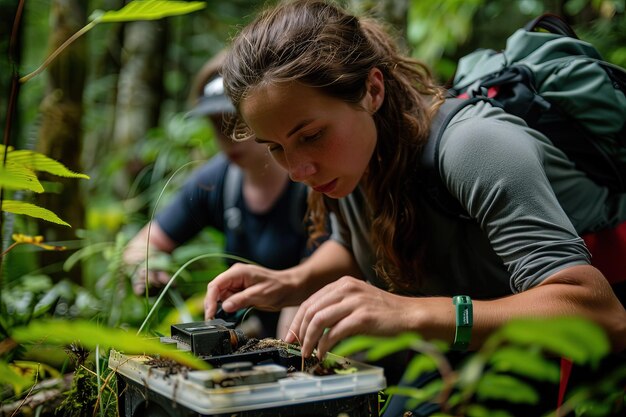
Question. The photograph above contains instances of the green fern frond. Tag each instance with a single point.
(19, 207)
(40, 162)
(19, 177)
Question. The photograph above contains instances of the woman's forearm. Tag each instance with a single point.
(575, 291)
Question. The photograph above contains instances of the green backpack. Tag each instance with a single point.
(561, 86)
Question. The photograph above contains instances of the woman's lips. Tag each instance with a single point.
(326, 188)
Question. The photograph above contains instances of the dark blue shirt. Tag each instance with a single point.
(275, 239)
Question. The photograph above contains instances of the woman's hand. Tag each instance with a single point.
(244, 285)
(155, 279)
(345, 308)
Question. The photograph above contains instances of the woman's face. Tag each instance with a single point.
(321, 141)
(246, 154)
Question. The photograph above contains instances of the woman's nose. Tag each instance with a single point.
(299, 171)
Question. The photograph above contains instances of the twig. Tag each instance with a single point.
(28, 394)
(60, 49)
(300, 343)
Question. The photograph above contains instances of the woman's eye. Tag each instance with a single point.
(312, 138)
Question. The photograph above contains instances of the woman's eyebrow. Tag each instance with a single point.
(292, 132)
(299, 126)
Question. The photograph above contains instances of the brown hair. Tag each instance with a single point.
(322, 46)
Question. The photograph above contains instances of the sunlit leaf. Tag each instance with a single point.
(90, 335)
(476, 410)
(506, 388)
(149, 10)
(83, 253)
(355, 344)
(419, 365)
(10, 375)
(43, 369)
(430, 390)
(471, 371)
(28, 209)
(40, 162)
(410, 392)
(19, 177)
(388, 346)
(575, 338)
(378, 347)
(525, 362)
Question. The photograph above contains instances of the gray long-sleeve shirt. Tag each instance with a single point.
(527, 202)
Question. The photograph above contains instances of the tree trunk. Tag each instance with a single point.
(11, 47)
(60, 133)
(139, 92)
(104, 68)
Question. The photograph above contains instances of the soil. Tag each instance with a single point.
(311, 365)
(170, 366)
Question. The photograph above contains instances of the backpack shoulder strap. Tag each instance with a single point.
(230, 192)
(436, 191)
(552, 23)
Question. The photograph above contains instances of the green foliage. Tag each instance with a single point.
(135, 10)
(435, 29)
(505, 369)
(11, 375)
(90, 335)
(148, 10)
(18, 173)
(438, 33)
(527, 362)
(81, 399)
(581, 341)
(32, 210)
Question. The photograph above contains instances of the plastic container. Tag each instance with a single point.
(151, 392)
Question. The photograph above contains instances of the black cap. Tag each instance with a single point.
(213, 100)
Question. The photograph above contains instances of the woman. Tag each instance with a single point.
(342, 111)
(241, 191)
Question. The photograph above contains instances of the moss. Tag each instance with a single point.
(81, 399)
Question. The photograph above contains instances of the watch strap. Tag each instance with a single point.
(464, 321)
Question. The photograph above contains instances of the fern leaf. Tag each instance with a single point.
(19, 177)
(148, 10)
(19, 207)
(40, 162)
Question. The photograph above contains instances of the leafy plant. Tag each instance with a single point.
(18, 173)
(507, 370)
(27, 332)
(135, 10)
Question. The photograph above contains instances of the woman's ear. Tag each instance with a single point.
(375, 89)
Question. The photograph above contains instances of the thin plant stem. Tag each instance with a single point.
(99, 399)
(182, 268)
(28, 394)
(152, 218)
(60, 49)
(14, 244)
(300, 343)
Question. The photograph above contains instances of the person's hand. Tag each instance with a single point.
(156, 281)
(345, 308)
(245, 285)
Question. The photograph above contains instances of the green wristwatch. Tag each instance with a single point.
(464, 321)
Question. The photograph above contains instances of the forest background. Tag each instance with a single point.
(112, 106)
